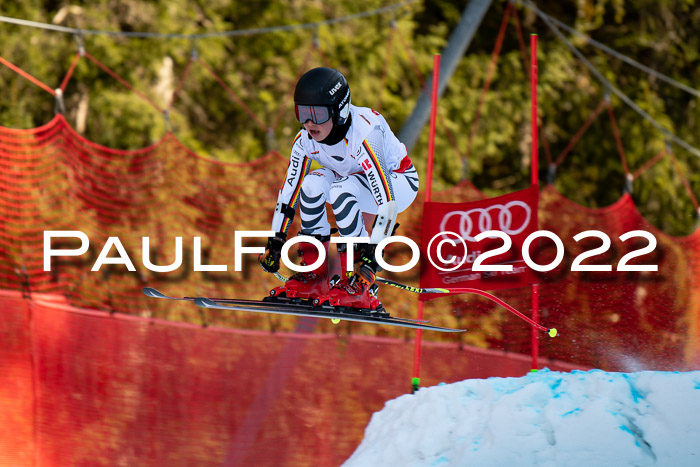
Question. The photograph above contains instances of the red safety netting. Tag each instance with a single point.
(81, 387)
(619, 321)
(53, 179)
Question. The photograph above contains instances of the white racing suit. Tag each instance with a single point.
(368, 171)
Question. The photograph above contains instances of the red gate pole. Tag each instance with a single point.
(415, 382)
(534, 181)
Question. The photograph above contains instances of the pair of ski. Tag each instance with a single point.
(345, 313)
(300, 309)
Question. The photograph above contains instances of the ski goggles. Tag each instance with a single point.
(318, 114)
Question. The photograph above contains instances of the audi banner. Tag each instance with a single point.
(455, 251)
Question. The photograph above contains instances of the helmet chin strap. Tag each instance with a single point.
(337, 133)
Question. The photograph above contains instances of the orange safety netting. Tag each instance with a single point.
(620, 321)
(53, 179)
(80, 387)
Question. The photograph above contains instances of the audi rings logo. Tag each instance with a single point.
(510, 218)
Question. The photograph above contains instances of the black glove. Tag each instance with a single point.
(270, 260)
(366, 266)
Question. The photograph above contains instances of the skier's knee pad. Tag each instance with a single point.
(313, 190)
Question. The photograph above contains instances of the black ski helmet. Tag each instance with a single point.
(325, 87)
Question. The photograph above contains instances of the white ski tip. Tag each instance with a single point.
(151, 292)
(204, 302)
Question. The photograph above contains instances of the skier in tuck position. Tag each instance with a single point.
(364, 168)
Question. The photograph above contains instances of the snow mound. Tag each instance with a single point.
(546, 418)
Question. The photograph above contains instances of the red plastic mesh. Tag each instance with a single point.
(88, 387)
(82, 387)
(53, 179)
(17, 440)
(621, 320)
(618, 321)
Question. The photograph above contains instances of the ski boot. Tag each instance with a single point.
(303, 287)
(354, 291)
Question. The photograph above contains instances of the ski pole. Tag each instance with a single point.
(281, 277)
(551, 331)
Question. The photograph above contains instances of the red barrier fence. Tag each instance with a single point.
(81, 386)
(85, 387)
(53, 179)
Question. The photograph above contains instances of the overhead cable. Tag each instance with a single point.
(237, 32)
(609, 86)
(615, 53)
